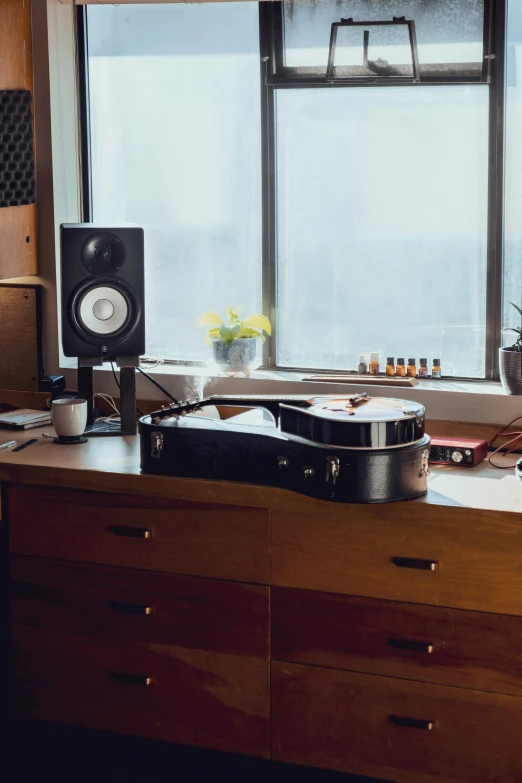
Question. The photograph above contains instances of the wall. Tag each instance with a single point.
(17, 224)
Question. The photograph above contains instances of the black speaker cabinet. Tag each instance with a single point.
(103, 307)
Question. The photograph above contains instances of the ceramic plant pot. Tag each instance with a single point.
(510, 365)
(237, 356)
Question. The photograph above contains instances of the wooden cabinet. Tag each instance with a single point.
(393, 633)
(186, 611)
(398, 730)
(200, 539)
(151, 690)
(142, 616)
(403, 552)
(410, 641)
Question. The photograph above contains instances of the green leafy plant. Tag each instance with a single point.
(233, 327)
(518, 345)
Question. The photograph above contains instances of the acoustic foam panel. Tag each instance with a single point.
(17, 180)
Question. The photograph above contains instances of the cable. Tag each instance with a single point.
(159, 386)
(512, 443)
(109, 400)
(114, 375)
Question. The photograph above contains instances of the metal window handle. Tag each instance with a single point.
(130, 532)
(126, 608)
(131, 679)
(413, 562)
(413, 723)
(406, 644)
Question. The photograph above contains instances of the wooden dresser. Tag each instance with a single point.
(379, 640)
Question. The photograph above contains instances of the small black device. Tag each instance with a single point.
(53, 384)
(26, 444)
(103, 291)
(351, 449)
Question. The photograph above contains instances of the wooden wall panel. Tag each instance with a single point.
(17, 224)
(20, 337)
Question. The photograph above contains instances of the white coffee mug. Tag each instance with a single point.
(69, 417)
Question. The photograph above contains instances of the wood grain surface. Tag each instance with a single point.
(185, 611)
(112, 465)
(185, 537)
(352, 551)
(195, 698)
(17, 224)
(20, 340)
(341, 720)
(426, 643)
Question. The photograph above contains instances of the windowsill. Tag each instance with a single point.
(265, 376)
(465, 401)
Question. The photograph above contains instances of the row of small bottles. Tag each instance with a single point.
(400, 369)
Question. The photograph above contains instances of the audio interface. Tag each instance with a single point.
(466, 452)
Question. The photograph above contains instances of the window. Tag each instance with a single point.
(175, 147)
(359, 206)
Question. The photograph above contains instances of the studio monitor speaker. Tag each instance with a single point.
(103, 308)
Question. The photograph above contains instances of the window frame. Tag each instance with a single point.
(274, 76)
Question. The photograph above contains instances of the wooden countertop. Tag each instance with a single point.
(112, 464)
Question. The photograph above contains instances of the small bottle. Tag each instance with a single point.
(400, 370)
(374, 364)
(423, 368)
(412, 370)
(363, 367)
(435, 370)
(390, 366)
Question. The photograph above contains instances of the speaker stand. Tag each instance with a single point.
(127, 367)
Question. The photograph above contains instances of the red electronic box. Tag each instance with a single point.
(458, 451)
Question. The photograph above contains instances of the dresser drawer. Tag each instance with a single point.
(427, 643)
(226, 542)
(193, 697)
(412, 551)
(394, 729)
(186, 611)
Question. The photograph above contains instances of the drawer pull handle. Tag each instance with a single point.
(406, 644)
(120, 606)
(413, 723)
(413, 562)
(131, 679)
(130, 532)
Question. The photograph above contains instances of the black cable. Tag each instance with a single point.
(158, 385)
(114, 376)
(118, 385)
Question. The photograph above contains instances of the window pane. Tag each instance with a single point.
(448, 32)
(381, 232)
(175, 135)
(513, 174)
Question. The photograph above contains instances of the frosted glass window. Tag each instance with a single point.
(382, 225)
(513, 172)
(175, 137)
(449, 33)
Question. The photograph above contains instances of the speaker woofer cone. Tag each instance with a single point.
(92, 318)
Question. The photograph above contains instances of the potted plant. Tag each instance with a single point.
(234, 340)
(510, 361)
